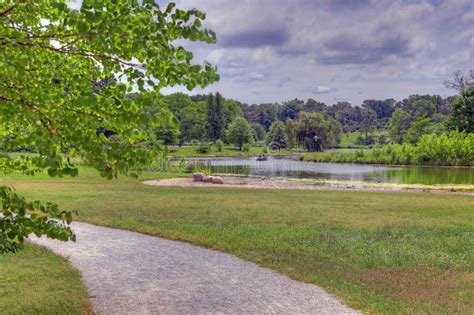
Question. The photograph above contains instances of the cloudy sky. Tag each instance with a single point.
(333, 50)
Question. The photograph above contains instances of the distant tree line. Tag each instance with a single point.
(314, 125)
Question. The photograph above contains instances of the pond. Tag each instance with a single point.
(293, 168)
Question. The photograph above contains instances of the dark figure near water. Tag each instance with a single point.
(314, 144)
(262, 158)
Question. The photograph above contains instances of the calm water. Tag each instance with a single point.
(288, 167)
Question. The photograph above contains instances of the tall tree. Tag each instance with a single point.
(368, 122)
(179, 104)
(231, 109)
(210, 122)
(50, 56)
(398, 125)
(276, 136)
(314, 106)
(462, 111)
(259, 131)
(291, 109)
(291, 132)
(193, 123)
(219, 120)
(383, 109)
(462, 107)
(239, 132)
(316, 132)
(419, 127)
(215, 117)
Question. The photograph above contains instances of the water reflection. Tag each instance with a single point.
(288, 167)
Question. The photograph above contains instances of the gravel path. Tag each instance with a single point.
(132, 273)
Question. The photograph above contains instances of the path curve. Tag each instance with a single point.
(132, 273)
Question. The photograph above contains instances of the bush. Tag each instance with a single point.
(246, 147)
(203, 148)
(219, 145)
(452, 149)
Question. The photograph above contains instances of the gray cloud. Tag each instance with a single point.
(361, 49)
(255, 38)
(283, 80)
(350, 49)
(337, 5)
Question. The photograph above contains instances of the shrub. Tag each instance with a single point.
(219, 145)
(203, 148)
(450, 149)
(246, 147)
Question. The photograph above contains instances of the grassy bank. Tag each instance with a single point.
(186, 151)
(35, 281)
(380, 252)
(349, 139)
(455, 149)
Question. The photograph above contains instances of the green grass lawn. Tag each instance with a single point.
(349, 140)
(382, 252)
(35, 281)
(185, 151)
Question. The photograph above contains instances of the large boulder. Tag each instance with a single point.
(197, 177)
(217, 180)
(207, 179)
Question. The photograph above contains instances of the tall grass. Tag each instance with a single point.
(451, 149)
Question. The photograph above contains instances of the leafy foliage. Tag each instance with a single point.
(203, 148)
(398, 125)
(259, 131)
(327, 130)
(419, 127)
(68, 73)
(219, 145)
(276, 136)
(190, 116)
(291, 129)
(215, 117)
(448, 149)
(462, 117)
(239, 132)
(16, 225)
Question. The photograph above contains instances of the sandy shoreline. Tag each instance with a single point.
(265, 183)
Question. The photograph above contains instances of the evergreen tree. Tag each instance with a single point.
(215, 117)
(368, 121)
(259, 131)
(210, 118)
(219, 122)
(277, 136)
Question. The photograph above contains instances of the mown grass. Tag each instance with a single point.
(381, 252)
(35, 281)
(186, 151)
(349, 139)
